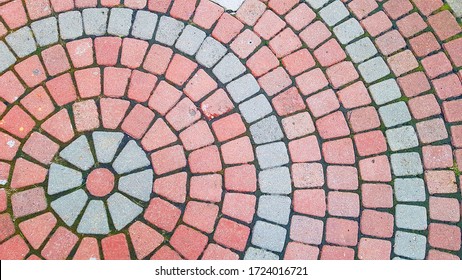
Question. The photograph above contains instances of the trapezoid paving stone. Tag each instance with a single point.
(69, 206)
(137, 185)
(45, 31)
(411, 217)
(22, 42)
(395, 114)
(334, 13)
(361, 50)
(210, 52)
(229, 68)
(62, 178)
(95, 21)
(402, 138)
(256, 108)
(410, 190)
(70, 25)
(269, 236)
(274, 208)
(385, 91)
(168, 30)
(272, 155)
(144, 25)
(410, 245)
(6, 57)
(79, 154)
(94, 219)
(123, 211)
(106, 145)
(131, 158)
(406, 164)
(348, 30)
(275, 181)
(243, 88)
(120, 21)
(190, 40)
(373, 69)
(267, 130)
(259, 254)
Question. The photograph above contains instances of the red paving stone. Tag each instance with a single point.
(208, 167)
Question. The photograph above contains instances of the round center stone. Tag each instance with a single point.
(100, 182)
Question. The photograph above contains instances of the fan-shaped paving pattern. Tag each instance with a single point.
(279, 132)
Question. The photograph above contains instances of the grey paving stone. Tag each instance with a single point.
(269, 236)
(120, 21)
(259, 254)
(385, 91)
(137, 185)
(190, 40)
(348, 30)
(6, 57)
(243, 88)
(229, 5)
(79, 154)
(45, 31)
(406, 164)
(169, 30)
(68, 207)
(106, 145)
(266, 130)
(411, 217)
(361, 50)
(274, 208)
(22, 42)
(373, 69)
(210, 52)
(94, 219)
(229, 68)
(123, 211)
(456, 6)
(410, 245)
(144, 25)
(132, 157)
(272, 155)
(395, 114)
(256, 108)
(70, 25)
(409, 190)
(275, 181)
(316, 4)
(62, 178)
(402, 138)
(95, 21)
(334, 13)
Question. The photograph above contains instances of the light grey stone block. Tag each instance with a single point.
(6, 57)
(259, 254)
(95, 21)
(410, 190)
(402, 138)
(243, 88)
(348, 30)
(410, 245)
(144, 25)
(316, 4)
(22, 42)
(267, 130)
(395, 114)
(274, 208)
(169, 30)
(406, 164)
(373, 69)
(229, 68)
(79, 154)
(384, 92)
(106, 145)
(272, 155)
(120, 21)
(190, 40)
(132, 157)
(269, 236)
(210, 52)
(334, 13)
(361, 50)
(256, 108)
(123, 211)
(45, 31)
(70, 25)
(68, 207)
(275, 181)
(411, 217)
(94, 219)
(138, 185)
(456, 6)
(229, 5)
(62, 178)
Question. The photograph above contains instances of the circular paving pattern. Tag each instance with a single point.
(230, 129)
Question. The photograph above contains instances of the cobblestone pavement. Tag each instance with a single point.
(230, 129)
